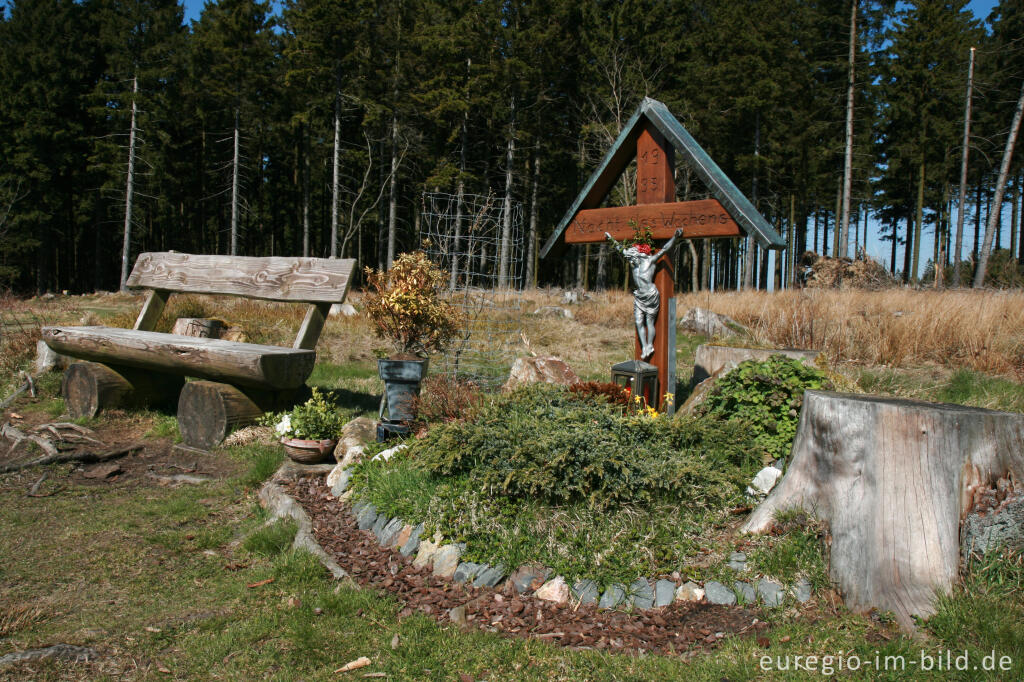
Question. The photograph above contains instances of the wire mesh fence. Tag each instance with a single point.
(478, 241)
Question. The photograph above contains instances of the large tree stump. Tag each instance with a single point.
(208, 411)
(894, 479)
(89, 387)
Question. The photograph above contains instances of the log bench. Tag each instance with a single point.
(234, 382)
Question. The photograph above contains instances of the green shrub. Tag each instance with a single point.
(544, 442)
(767, 397)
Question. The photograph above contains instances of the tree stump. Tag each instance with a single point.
(90, 387)
(894, 479)
(208, 411)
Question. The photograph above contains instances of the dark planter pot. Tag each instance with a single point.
(402, 380)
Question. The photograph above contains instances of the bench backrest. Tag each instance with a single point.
(274, 278)
(318, 281)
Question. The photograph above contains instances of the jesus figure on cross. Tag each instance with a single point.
(646, 297)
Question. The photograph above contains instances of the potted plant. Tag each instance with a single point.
(406, 308)
(310, 431)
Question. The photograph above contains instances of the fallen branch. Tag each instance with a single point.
(34, 490)
(83, 457)
(17, 435)
(10, 399)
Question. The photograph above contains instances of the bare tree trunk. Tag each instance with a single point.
(305, 193)
(531, 238)
(129, 191)
(335, 176)
(920, 218)
(1015, 222)
(997, 202)
(965, 147)
(844, 228)
(506, 221)
(393, 196)
(751, 245)
(234, 193)
(705, 264)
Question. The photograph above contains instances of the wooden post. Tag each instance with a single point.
(655, 184)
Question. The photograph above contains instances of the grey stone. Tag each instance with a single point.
(390, 532)
(367, 517)
(771, 593)
(465, 571)
(738, 561)
(612, 597)
(489, 576)
(545, 369)
(446, 560)
(710, 324)
(586, 591)
(642, 594)
(379, 524)
(427, 551)
(745, 591)
(413, 543)
(553, 311)
(764, 481)
(717, 593)
(664, 592)
(457, 615)
(354, 435)
(802, 590)
(529, 577)
(338, 480)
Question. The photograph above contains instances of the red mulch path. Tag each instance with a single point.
(680, 627)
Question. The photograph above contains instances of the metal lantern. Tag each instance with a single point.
(641, 378)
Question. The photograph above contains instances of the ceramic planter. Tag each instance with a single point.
(402, 380)
(309, 451)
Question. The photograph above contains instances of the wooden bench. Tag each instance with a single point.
(237, 381)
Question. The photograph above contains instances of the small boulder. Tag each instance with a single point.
(529, 577)
(385, 455)
(764, 481)
(390, 532)
(717, 593)
(47, 359)
(771, 593)
(338, 479)
(697, 396)
(802, 590)
(342, 310)
(586, 591)
(446, 560)
(549, 370)
(664, 592)
(489, 576)
(745, 591)
(465, 571)
(427, 550)
(553, 311)
(457, 615)
(366, 517)
(412, 543)
(354, 436)
(711, 324)
(738, 561)
(612, 597)
(554, 590)
(642, 593)
(690, 591)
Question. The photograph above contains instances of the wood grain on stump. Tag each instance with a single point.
(90, 387)
(209, 411)
(894, 479)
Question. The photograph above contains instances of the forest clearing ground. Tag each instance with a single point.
(156, 578)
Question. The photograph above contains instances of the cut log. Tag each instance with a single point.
(246, 364)
(893, 479)
(90, 387)
(209, 411)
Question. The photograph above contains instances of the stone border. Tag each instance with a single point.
(444, 561)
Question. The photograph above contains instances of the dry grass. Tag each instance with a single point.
(980, 330)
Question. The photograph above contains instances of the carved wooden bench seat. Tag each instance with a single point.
(237, 381)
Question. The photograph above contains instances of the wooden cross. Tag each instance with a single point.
(657, 210)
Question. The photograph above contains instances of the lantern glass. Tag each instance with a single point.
(641, 378)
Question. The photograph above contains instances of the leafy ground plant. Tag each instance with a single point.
(767, 397)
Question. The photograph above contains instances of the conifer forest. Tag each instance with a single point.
(314, 127)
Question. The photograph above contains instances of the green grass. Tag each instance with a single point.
(261, 462)
(164, 426)
(963, 387)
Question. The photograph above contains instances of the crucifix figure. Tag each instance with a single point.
(646, 297)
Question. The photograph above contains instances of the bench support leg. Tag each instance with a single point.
(90, 387)
(208, 411)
